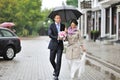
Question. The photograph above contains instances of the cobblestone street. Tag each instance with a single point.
(32, 63)
(59, 39)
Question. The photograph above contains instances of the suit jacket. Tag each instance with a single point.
(53, 34)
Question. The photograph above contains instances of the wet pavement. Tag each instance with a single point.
(108, 53)
(32, 63)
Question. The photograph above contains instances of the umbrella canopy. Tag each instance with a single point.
(7, 24)
(67, 13)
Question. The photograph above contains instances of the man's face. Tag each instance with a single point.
(57, 19)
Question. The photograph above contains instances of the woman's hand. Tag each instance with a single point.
(83, 48)
(66, 30)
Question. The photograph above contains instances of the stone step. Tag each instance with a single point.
(105, 67)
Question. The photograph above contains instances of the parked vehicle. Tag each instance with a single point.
(10, 44)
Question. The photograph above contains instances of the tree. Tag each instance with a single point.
(24, 13)
(28, 14)
(7, 10)
(43, 25)
(72, 2)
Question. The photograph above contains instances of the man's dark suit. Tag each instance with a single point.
(56, 47)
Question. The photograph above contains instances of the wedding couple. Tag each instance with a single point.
(73, 51)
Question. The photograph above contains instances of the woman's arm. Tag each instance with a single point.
(81, 42)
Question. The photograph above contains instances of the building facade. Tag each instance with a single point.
(102, 16)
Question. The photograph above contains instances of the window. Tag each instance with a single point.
(89, 13)
(0, 34)
(86, 4)
(7, 33)
(100, 0)
(107, 20)
(114, 20)
(93, 21)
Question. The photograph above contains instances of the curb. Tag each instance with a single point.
(107, 68)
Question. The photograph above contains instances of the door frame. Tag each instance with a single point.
(118, 20)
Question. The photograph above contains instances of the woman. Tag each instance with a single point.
(74, 49)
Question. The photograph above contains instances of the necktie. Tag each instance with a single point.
(58, 27)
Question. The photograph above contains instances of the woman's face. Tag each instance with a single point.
(73, 25)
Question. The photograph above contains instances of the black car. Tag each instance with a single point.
(10, 44)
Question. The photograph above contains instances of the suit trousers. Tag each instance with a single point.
(55, 59)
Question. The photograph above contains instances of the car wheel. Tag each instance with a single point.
(9, 53)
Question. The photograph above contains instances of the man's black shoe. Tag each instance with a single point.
(56, 78)
(54, 73)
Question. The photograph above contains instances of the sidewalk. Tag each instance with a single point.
(108, 53)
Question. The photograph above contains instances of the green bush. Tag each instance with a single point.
(95, 34)
(94, 31)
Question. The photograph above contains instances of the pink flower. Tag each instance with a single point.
(62, 34)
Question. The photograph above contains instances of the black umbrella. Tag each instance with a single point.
(67, 13)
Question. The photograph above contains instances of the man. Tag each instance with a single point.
(56, 45)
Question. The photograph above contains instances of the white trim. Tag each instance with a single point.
(85, 29)
(95, 21)
(82, 23)
(109, 2)
(95, 8)
(110, 29)
(117, 26)
(103, 22)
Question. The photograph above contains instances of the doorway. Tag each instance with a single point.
(119, 26)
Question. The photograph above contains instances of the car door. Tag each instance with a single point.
(0, 41)
(6, 39)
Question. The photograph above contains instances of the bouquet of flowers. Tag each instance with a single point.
(62, 35)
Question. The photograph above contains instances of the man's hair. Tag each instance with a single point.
(56, 15)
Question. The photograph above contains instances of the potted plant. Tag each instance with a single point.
(94, 34)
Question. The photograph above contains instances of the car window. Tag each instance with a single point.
(6, 33)
(0, 34)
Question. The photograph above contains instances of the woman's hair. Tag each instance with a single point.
(74, 21)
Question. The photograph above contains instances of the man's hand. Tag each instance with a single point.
(59, 38)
